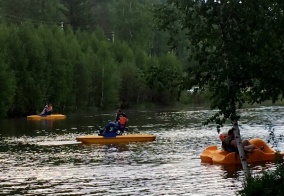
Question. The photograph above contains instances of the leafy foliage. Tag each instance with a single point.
(164, 76)
(234, 51)
(237, 45)
(7, 87)
(269, 183)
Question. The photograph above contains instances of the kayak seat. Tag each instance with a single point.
(121, 131)
(106, 134)
(101, 131)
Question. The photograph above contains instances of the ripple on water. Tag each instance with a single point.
(53, 164)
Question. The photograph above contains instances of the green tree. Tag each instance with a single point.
(107, 75)
(105, 80)
(141, 62)
(36, 63)
(78, 13)
(36, 11)
(239, 50)
(131, 21)
(130, 92)
(141, 58)
(14, 10)
(7, 75)
(164, 77)
(82, 82)
(63, 73)
(102, 16)
(122, 52)
(7, 86)
(28, 67)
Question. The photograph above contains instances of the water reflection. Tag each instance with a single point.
(43, 158)
(109, 147)
(231, 171)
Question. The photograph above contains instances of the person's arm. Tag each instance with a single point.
(45, 108)
(223, 145)
(116, 118)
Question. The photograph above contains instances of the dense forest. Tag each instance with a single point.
(100, 54)
(84, 55)
(97, 54)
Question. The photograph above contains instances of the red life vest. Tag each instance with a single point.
(122, 121)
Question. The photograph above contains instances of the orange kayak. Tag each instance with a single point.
(95, 139)
(47, 117)
(213, 155)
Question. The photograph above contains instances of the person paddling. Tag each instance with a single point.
(118, 113)
(118, 126)
(47, 110)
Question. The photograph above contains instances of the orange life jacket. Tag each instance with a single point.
(122, 121)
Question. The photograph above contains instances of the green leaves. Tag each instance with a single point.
(7, 87)
(164, 78)
(237, 46)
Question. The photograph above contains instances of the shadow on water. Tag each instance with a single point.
(228, 171)
(231, 171)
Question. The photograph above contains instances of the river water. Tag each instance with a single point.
(43, 158)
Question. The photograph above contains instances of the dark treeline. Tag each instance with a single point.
(82, 55)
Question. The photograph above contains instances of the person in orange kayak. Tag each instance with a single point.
(47, 110)
(117, 126)
(122, 121)
(223, 135)
(118, 113)
(229, 143)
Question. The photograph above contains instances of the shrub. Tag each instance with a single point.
(269, 183)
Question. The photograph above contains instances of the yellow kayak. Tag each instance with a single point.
(48, 117)
(212, 155)
(95, 139)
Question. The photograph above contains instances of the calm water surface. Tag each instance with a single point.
(43, 158)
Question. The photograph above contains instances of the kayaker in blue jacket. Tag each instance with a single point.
(118, 125)
(115, 126)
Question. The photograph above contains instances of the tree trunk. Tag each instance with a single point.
(241, 150)
(235, 125)
(103, 77)
(233, 108)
